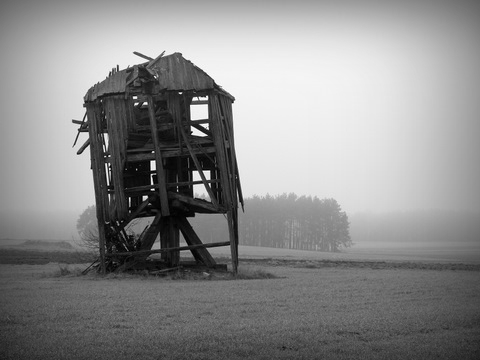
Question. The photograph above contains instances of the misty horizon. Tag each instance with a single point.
(61, 225)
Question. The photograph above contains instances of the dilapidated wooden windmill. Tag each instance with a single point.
(150, 152)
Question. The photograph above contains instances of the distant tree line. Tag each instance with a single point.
(284, 221)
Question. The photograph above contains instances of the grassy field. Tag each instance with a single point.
(325, 307)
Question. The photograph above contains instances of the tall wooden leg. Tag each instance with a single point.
(233, 232)
(201, 255)
(170, 238)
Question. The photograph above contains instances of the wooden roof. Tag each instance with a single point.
(172, 73)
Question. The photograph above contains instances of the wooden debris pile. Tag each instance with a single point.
(158, 132)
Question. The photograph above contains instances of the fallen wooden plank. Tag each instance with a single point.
(164, 271)
(179, 248)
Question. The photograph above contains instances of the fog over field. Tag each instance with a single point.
(374, 104)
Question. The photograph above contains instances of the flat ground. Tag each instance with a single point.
(329, 306)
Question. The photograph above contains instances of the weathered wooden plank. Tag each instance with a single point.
(233, 233)
(164, 271)
(202, 129)
(190, 183)
(141, 188)
(239, 187)
(153, 61)
(179, 248)
(143, 56)
(80, 128)
(219, 140)
(224, 161)
(146, 188)
(199, 102)
(162, 188)
(200, 121)
(227, 126)
(232, 215)
(115, 113)
(169, 145)
(83, 147)
(94, 113)
(197, 204)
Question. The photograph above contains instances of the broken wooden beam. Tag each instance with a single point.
(143, 56)
(196, 204)
(159, 251)
(83, 147)
(81, 126)
(200, 253)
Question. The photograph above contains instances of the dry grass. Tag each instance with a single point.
(303, 313)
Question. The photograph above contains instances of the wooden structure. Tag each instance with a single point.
(149, 154)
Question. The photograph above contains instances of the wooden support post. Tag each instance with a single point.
(162, 187)
(200, 254)
(233, 232)
(170, 238)
(94, 113)
(227, 183)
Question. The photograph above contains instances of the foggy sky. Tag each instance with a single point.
(373, 103)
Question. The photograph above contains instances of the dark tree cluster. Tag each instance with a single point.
(292, 222)
(285, 221)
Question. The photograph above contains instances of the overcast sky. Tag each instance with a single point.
(373, 103)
